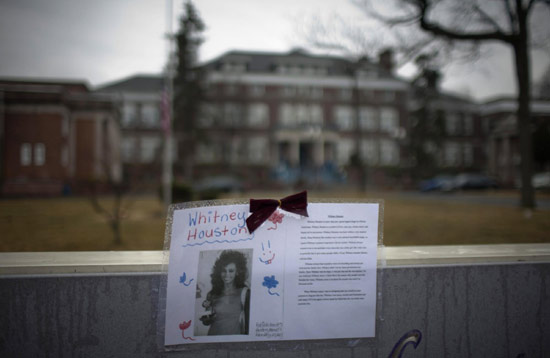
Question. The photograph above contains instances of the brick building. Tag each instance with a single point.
(295, 116)
(282, 118)
(272, 118)
(503, 139)
(447, 134)
(55, 137)
(141, 144)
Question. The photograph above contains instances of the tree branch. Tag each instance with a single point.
(440, 31)
(487, 17)
(390, 21)
(531, 3)
(511, 16)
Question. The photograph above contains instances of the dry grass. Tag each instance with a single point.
(70, 224)
(443, 223)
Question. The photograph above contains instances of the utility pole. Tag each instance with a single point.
(168, 110)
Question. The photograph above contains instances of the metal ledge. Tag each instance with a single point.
(55, 263)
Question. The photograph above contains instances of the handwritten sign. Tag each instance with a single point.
(293, 278)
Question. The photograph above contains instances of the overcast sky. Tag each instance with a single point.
(101, 41)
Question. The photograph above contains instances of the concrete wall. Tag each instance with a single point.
(462, 310)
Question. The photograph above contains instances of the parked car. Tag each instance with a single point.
(474, 181)
(541, 180)
(438, 183)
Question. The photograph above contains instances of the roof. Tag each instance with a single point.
(74, 94)
(43, 85)
(510, 105)
(267, 62)
(137, 83)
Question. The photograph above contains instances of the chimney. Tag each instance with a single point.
(432, 78)
(385, 60)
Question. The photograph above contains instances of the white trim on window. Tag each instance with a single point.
(25, 157)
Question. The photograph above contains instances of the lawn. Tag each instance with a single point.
(70, 224)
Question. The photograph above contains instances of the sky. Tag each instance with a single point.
(103, 41)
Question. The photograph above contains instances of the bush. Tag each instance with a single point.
(209, 194)
(181, 192)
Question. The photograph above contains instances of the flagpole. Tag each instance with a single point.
(168, 110)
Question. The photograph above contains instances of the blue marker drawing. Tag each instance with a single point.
(183, 278)
(218, 241)
(267, 254)
(270, 282)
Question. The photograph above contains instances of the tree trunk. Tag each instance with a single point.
(115, 225)
(521, 52)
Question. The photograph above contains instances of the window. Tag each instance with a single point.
(129, 114)
(301, 113)
(468, 124)
(208, 115)
(285, 115)
(258, 115)
(486, 125)
(345, 94)
(231, 89)
(316, 113)
(288, 91)
(367, 73)
(303, 91)
(127, 148)
(232, 115)
(65, 155)
(367, 95)
(256, 90)
(258, 150)
(237, 150)
(368, 119)
(343, 116)
(389, 119)
(309, 70)
(389, 96)
(234, 67)
(150, 115)
(211, 89)
(344, 150)
(39, 154)
(294, 70)
(321, 71)
(316, 92)
(65, 127)
(452, 154)
(468, 150)
(451, 123)
(149, 149)
(389, 152)
(369, 151)
(282, 69)
(292, 115)
(206, 153)
(26, 154)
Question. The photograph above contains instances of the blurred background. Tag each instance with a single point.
(110, 111)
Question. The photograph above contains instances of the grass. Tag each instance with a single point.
(70, 224)
(442, 223)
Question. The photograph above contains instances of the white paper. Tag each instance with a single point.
(308, 278)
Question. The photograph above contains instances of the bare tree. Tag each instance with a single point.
(514, 23)
(109, 181)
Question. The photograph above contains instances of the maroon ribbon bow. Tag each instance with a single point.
(262, 209)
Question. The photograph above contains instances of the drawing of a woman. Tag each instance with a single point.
(229, 299)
